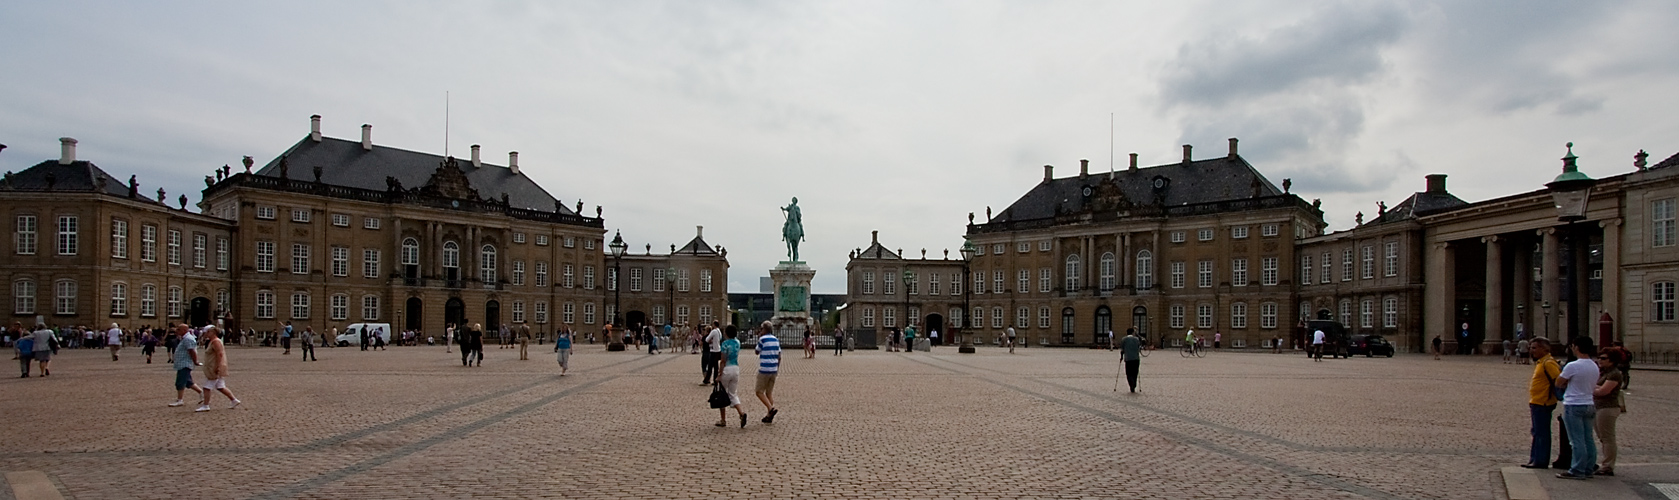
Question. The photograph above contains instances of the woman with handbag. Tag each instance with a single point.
(725, 387)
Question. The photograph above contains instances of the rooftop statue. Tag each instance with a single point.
(793, 229)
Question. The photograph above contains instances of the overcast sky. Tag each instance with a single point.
(900, 116)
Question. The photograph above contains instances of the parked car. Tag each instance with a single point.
(1334, 338)
(1369, 345)
(352, 334)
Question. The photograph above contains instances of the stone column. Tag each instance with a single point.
(1441, 291)
(1580, 310)
(1612, 274)
(1550, 288)
(1521, 285)
(1495, 288)
(1122, 243)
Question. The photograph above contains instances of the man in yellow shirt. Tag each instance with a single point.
(1541, 402)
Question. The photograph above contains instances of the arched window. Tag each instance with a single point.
(451, 261)
(1145, 270)
(410, 252)
(1072, 273)
(65, 297)
(1239, 315)
(1107, 269)
(487, 264)
(119, 299)
(1346, 312)
(1067, 325)
(23, 297)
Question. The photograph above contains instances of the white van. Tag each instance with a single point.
(352, 335)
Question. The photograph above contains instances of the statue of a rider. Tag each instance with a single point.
(793, 230)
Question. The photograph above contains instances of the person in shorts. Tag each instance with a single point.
(769, 365)
(186, 357)
(215, 374)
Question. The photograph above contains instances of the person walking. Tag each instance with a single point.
(448, 335)
(364, 338)
(472, 343)
(1579, 410)
(113, 340)
(308, 345)
(1521, 350)
(185, 357)
(285, 337)
(1541, 402)
(809, 345)
(524, 342)
(1009, 332)
(25, 346)
(562, 349)
(1317, 345)
(713, 348)
(215, 371)
(148, 344)
(839, 341)
(1437, 346)
(44, 347)
(1508, 350)
(1131, 350)
(1607, 397)
(909, 338)
(728, 376)
(769, 365)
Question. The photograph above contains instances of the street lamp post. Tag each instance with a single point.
(1570, 191)
(908, 319)
(968, 251)
(616, 343)
(670, 288)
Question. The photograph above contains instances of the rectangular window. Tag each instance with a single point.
(1023, 280)
(868, 282)
(119, 299)
(198, 243)
(1177, 274)
(265, 305)
(889, 281)
(997, 280)
(997, 249)
(338, 307)
(1390, 312)
(1043, 246)
(541, 312)
(635, 279)
(542, 274)
(148, 301)
(589, 279)
(658, 315)
(955, 284)
(1268, 230)
(65, 297)
(705, 314)
(588, 313)
(300, 215)
(519, 272)
(25, 236)
(589, 244)
(868, 317)
(1367, 313)
(265, 212)
(1662, 296)
(705, 281)
(569, 242)
(1268, 271)
(1178, 237)
(1204, 274)
(566, 275)
(997, 318)
(299, 258)
(1239, 232)
(119, 239)
(1328, 260)
(1238, 315)
(1204, 235)
(1369, 262)
(658, 279)
(979, 282)
(370, 263)
(370, 308)
(889, 317)
(568, 313)
(1023, 247)
(1346, 311)
(1022, 317)
(1347, 264)
(1268, 315)
(1043, 317)
(148, 243)
(518, 311)
(300, 305)
(542, 241)
(1239, 272)
(1174, 316)
(341, 220)
(340, 261)
(1204, 316)
(682, 280)
(1662, 230)
(173, 249)
(518, 237)
(611, 279)
(221, 254)
(370, 223)
(67, 237)
(174, 305)
(1390, 264)
(1046, 280)
(265, 257)
(1306, 269)
(933, 284)
(682, 314)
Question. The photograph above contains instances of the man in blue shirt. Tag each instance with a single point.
(769, 364)
(186, 357)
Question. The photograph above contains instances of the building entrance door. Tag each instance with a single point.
(935, 323)
(200, 313)
(414, 308)
(492, 316)
(454, 312)
(1104, 324)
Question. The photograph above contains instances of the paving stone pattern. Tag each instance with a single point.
(1042, 423)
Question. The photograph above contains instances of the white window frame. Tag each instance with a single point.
(868, 317)
(1390, 312)
(300, 258)
(518, 311)
(1663, 229)
(26, 239)
(370, 307)
(148, 300)
(370, 258)
(300, 215)
(1205, 234)
(341, 220)
(1238, 232)
(69, 235)
(1145, 269)
(1204, 273)
(1662, 300)
(1203, 315)
(119, 299)
(148, 243)
(1043, 317)
(300, 305)
(568, 276)
(1268, 315)
(1044, 246)
(340, 261)
(868, 282)
(338, 307)
(1369, 262)
(172, 248)
(1174, 316)
(1179, 237)
(1238, 315)
(119, 239)
(1367, 313)
(1178, 271)
(1268, 230)
(265, 256)
(1239, 272)
(1268, 270)
(264, 304)
(487, 264)
(265, 212)
(568, 313)
(1328, 265)
(705, 280)
(1071, 278)
(199, 242)
(1390, 259)
(23, 296)
(541, 312)
(519, 273)
(541, 273)
(173, 307)
(221, 254)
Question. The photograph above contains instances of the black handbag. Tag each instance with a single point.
(719, 397)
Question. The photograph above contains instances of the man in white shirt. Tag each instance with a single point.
(113, 339)
(713, 350)
(1317, 345)
(1579, 411)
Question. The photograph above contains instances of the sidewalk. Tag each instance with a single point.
(1631, 482)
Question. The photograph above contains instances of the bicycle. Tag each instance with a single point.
(1192, 350)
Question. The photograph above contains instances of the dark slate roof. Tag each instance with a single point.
(345, 163)
(1419, 204)
(78, 176)
(697, 246)
(1200, 181)
(1669, 162)
(877, 251)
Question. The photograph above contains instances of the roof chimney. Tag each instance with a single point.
(699, 232)
(1084, 168)
(475, 162)
(66, 151)
(1232, 147)
(874, 237)
(1186, 149)
(315, 128)
(513, 162)
(1049, 173)
(366, 137)
(1133, 162)
(1436, 183)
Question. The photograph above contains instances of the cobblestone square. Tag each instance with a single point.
(411, 422)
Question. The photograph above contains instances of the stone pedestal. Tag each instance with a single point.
(792, 301)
